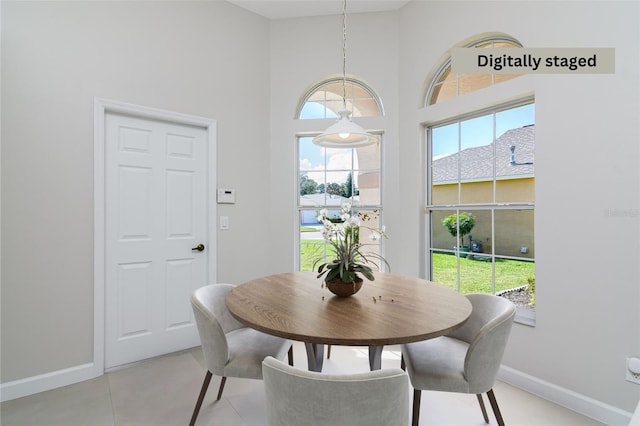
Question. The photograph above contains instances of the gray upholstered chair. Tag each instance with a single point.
(468, 359)
(230, 348)
(296, 397)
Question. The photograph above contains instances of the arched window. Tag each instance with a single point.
(447, 85)
(324, 99)
(480, 186)
(329, 177)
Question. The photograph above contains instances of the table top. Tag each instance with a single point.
(297, 306)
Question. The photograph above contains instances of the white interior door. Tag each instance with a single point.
(156, 208)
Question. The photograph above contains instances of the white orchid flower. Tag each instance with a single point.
(376, 234)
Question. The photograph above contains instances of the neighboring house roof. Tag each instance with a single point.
(477, 163)
(321, 200)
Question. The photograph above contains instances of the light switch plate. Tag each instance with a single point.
(224, 223)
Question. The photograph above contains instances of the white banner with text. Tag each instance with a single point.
(533, 60)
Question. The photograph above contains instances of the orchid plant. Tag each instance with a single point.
(344, 237)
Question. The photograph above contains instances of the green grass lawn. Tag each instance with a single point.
(475, 275)
(310, 250)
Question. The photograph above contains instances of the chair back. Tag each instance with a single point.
(214, 320)
(487, 332)
(297, 397)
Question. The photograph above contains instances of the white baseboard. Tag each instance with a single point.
(47, 381)
(574, 401)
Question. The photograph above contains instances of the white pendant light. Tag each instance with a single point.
(344, 133)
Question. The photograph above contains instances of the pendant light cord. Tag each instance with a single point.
(344, 55)
(344, 133)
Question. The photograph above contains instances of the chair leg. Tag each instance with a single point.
(203, 391)
(494, 405)
(403, 366)
(484, 410)
(290, 355)
(416, 407)
(328, 351)
(221, 388)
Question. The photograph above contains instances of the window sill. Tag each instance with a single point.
(525, 316)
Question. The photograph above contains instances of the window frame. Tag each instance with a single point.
(524, 316)
(350, 80)
(321, 122)
(445, 66)
(356, 207)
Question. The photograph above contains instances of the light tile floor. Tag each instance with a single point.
(163, 391)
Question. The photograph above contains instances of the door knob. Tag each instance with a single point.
(199, 247)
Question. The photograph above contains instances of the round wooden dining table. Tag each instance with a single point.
(392, 309)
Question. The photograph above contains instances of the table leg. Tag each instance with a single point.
(375, 357)
(315, 356)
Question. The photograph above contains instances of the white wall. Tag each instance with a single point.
(208, 59)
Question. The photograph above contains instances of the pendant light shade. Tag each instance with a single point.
(344, 133)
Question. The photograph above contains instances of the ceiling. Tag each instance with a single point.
(282, 9)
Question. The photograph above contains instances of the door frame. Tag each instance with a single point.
(101, 108)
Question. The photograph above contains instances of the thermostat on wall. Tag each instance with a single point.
(226, 196)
